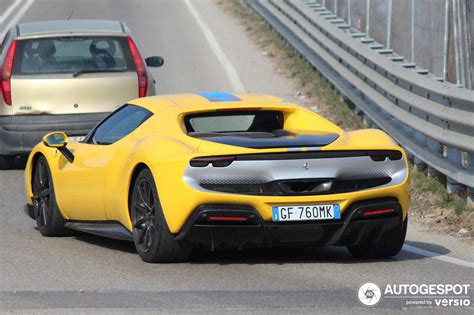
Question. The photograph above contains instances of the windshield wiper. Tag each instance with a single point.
(79, 72)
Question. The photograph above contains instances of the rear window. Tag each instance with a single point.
(234, 121)
(72, 54)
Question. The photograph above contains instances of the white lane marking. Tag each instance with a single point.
(9, 10)
(427, 253)
(17, 17)
(232, 74)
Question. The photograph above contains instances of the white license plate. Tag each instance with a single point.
(306, 212)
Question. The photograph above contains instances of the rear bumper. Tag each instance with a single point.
(350, 230)
(19, 134)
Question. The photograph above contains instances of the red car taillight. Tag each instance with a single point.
(139, 68)
(227, 218)
(377, 212)
(6, 74)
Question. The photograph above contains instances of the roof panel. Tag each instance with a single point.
(216, 96)
(193, 102)
(70, 26)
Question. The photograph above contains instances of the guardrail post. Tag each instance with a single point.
(454, 156)
(435, 147)
(408, 130)
(367, 20)
(389, 24)
(458, 55)
(366, 120)
(470, 197)
(432, 172)
(413, 31)
(419, 164)
(470, 162)
(446, 40)
(470, 190)
(452, 186)
(349, 18)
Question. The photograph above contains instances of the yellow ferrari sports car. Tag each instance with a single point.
(220, 170)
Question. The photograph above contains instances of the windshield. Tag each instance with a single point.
(72, 54)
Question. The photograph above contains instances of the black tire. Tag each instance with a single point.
(389, 245)
(49, 220)
(153, 240)
(7, 162)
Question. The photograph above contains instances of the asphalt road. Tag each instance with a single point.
(204, 49)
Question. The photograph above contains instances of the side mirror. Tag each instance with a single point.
(58, 140)
(55, 140)
(154, 61)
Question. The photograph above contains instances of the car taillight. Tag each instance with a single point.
(220, 161)
(379, 156)
(377, 212)
(6, 74)
(139, 68)
(227, 218)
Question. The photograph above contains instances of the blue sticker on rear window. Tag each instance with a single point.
(215, 96)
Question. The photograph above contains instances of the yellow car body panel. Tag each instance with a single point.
(184, 202)
(96, 186)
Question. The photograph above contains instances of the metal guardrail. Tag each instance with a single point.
(433, 120)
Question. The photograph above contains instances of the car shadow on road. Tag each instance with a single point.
(334, 254)
(118, 245)
(282, 255)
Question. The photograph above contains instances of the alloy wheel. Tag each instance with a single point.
(143, 214)
(42, 194)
